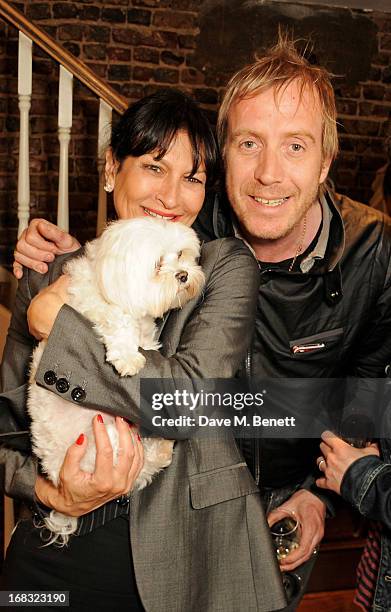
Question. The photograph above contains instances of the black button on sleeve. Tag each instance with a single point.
(50, 377)
(123, 500)
(62, 385)
(78, 394)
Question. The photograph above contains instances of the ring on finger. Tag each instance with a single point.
(320, 461)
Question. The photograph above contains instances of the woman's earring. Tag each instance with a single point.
(108, 187)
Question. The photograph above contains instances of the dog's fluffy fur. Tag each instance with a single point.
(135, 272)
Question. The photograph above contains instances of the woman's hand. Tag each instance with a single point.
(45, 307)
(79, 492)
(337, 457)
(40, 243)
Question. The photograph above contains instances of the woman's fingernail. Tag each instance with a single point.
(80, 439)
(138, 437)
(100, 418)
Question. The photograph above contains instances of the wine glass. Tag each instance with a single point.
(286, 534)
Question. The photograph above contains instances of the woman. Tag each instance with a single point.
(199, 539)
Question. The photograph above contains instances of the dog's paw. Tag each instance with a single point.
(130, 365)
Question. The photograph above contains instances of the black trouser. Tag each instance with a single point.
(96, 569)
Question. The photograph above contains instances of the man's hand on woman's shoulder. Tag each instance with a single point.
(39, 244)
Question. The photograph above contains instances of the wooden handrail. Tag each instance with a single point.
(63, 57)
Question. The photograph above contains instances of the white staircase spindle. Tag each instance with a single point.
(105, 115)
(24, 93)
(64, 136)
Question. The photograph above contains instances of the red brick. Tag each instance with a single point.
(360, 127)
(165, 75)
(86, 146)
(373, 92)
(146, 54)
(85, 165)
(385, 130)
(348, 162)
(142, 73)
(97, 52)
(119, 72)
(91, 13)
(151, 3)
(73, 48)
(70, 32)
(37, 165)
(346, 107)
(139, 16)
(12, 121)
(38, 10)
(192, 76)
(375, 110)
(65, 10)
(99, 69)
(348, 91)
(7, 164)
(385, 42)
(133, 91)
(126, 36)
(187, 41)
(114, 15)
(382, 59)
(118, 54)
(386, 75)
(172, 59)
(176, 20)
(152, 38)
(369, 146)
(98, 33)
(374, 74)
(185, 5)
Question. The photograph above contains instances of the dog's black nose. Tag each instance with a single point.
(181, 276)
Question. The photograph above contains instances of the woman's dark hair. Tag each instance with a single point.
(152, 123)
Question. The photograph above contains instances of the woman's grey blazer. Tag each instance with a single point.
(199, 536)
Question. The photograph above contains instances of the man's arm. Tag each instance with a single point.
(38, 244)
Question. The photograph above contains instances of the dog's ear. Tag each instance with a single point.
(122, 260)
(113, 262)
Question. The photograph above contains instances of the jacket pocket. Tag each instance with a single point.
(317, 344)
(223, 484)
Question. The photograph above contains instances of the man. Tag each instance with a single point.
(324, 297)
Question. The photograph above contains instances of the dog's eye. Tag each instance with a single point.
(179, 254)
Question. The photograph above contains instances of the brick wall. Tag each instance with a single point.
(139, 46)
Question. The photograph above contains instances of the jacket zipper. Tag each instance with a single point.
(255, 441)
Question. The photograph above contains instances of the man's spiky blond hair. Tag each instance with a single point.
(277, 69)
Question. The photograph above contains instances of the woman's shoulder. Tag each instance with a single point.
(228, 249)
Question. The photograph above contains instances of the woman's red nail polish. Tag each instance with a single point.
(80, 440)
(138, 437)
(100, 418)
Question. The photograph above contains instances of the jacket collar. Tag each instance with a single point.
(329, 250)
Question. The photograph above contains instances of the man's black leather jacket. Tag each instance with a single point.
(342, 304)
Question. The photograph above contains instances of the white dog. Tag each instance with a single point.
(135, 272)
